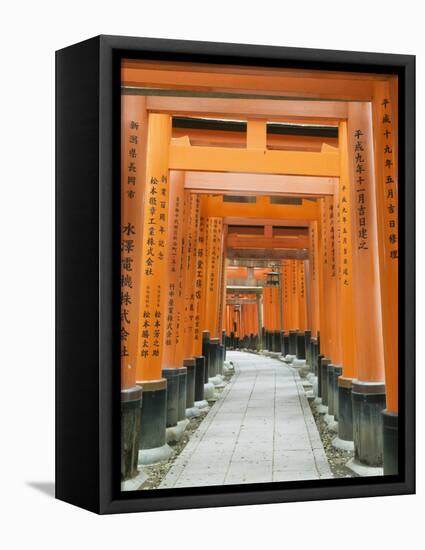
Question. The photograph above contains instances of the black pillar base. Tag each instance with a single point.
(368, 403)
(307, 340)
(267, 340)
(319, 375)
(221, 358)
(212, 366)
(190, 382)
(282, 343)
(390, 442)
(337, 372)
(324, 380)
(205, 351)
(345, 409)
(286, 343)
(331, 393)
(300, 345)
(313, 353)
(276, 348)
(153, 413)
(181, 415)
(199, 377)
(172, 377)
(292, 342)
(213, 358)
(131, 401)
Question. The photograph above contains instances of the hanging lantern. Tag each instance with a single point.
(273, 278)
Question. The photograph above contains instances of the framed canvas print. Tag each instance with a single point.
(235, 274)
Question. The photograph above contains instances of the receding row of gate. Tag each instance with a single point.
(202, 175)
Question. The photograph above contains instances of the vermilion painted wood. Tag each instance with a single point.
(134, 122)
(153, 258)
(251, 184)
(387, 203)
(280, 110)
(367, 307)
(346, 258)
(173, 273)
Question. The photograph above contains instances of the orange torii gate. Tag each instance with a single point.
(153, 291)
(251, 315)
(368, 391)
(241, 162)
(313, 278)
(134, 129)
(348, 334)
(385, 126)
(174, 301)
(337, 333)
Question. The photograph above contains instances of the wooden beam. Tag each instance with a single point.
(215, 206)
(252, 184)
(233, 220)
(271, 81)
(237, 241)
(244, 289)
(218, 138)
(267, 254)
(256, 134)
(223, 159)
(271, 109)
(256, 264)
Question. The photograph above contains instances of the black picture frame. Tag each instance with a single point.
(87, 271)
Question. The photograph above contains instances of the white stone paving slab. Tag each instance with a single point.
(261, 429)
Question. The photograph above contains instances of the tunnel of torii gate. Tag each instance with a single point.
(266, 225)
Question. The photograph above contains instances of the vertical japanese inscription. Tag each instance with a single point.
(181, 284)
(361, 182)
(131, 140)
(365, 253)
(214, 234)
(331, 227)
(175, 231)
(302, 279)
(345, 228)
(389, 178)
(386, 160)
(190, 268)
(324, 232)
(313, 276)
(133, 150)
(175, 216)
(313, 258)
(285, 292)
(153, 258)
(199, 280)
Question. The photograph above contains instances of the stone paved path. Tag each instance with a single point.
(260, 430)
